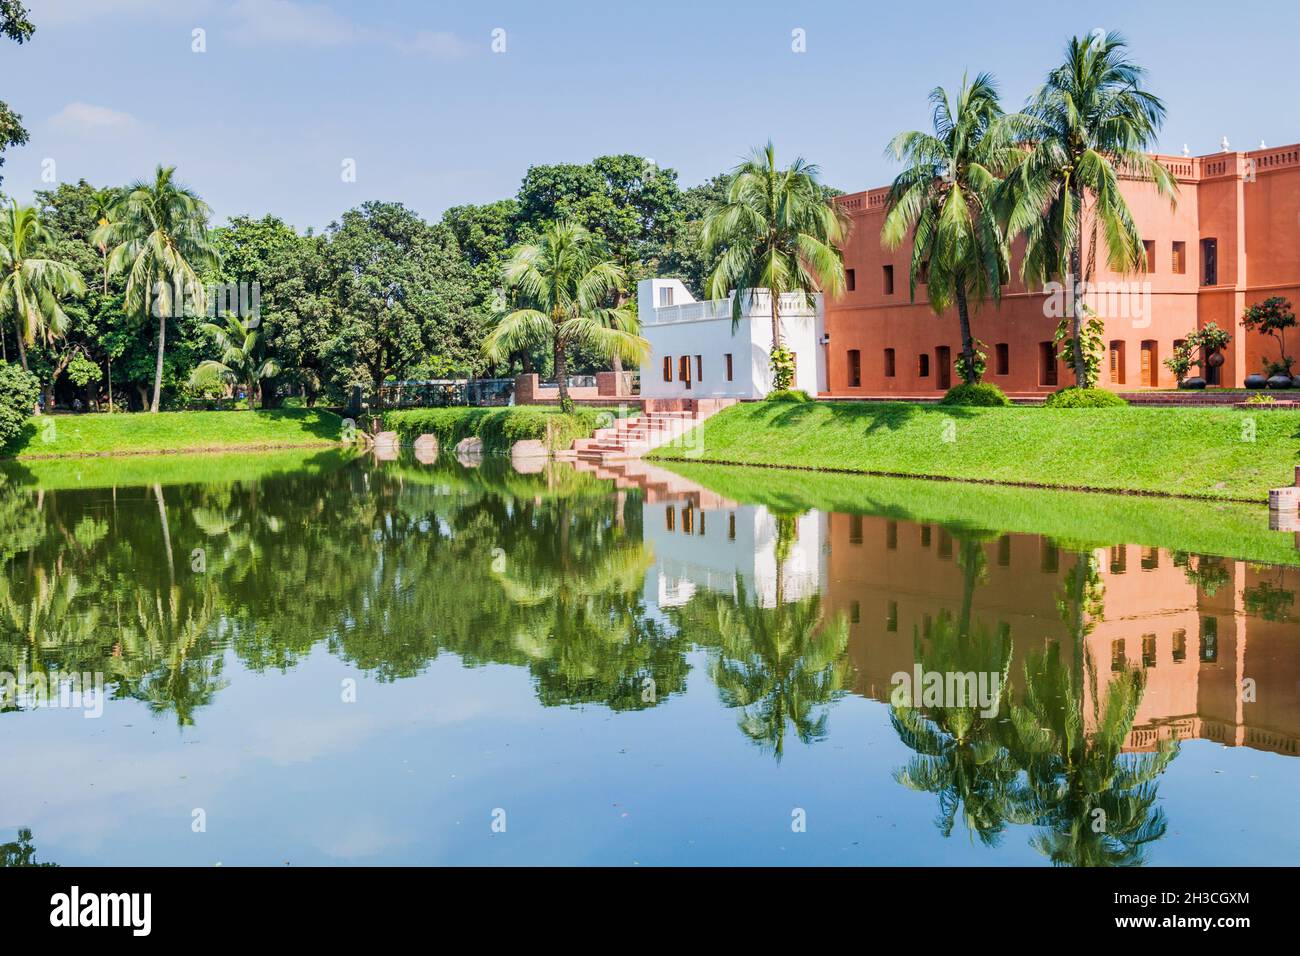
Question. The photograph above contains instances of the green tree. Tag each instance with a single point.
(161, 235)
(943, 199)
(565, 284)
(32, 286)
(404, 296)
(243, 360)
(1089, 121)
(1272, 317)
(775, 232)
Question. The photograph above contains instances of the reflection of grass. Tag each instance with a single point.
(1197, 452)
(1080, 519)
(60, 435)
(140, 470)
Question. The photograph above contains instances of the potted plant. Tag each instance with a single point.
(1272, 317)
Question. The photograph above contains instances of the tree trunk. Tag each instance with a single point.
(110, 385)
(776, 319)
(561, 373)
(22, 351)
(158, 366)
(969, 375)
(1072, 297)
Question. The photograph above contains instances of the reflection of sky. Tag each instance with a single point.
(412, 771)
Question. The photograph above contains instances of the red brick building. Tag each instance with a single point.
(1231, 240)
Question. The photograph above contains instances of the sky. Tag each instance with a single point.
(285, 92)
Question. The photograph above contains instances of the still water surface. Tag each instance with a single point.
(394, 663)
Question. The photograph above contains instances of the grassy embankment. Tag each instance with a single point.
(59, 436)
(499, 428)
(1218, 453)
(1074, 519)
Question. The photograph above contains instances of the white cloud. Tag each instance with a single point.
(87, 118)
(291, 24)
(437, 43)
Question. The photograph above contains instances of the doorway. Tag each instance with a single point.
(943, 367)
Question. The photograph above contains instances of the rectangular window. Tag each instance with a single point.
(855, 368)
(1180, 646)
(1149, 247)
(850, 279)
(891, 535)
(1209, 640)
(1047, 364)
(855, 529)
(699, 368)
(924, 277)
(1180, 258)
(1148, 650)
(1150, 559)
(1209, 262)
(670, 518)
(1118, 559)
(945, 544)
(1117, 655)
(665, 296)
(923, 365)
(891, 617)
(890, 369)
(1003, 353)
(1051, 562)
(1150, 363)
(1004, 551)
(731, 526)
(1117, 362)
(688, 520)
(668, 368)
(729, 368)
(855, 613)
(684, 370)
(889, 280)
(702, 522)
(925, 536)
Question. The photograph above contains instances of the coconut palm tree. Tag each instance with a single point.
(241, 361)
(563, 284)
(776, 231)
(1090, 122)
(161, 235)
(102, 206)
(943, 199)
(30, 286)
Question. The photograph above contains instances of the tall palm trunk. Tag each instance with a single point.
(158, 365)
(22, 350)
(776, 319)
(1072, 298)
(968, 374)
(562, 372)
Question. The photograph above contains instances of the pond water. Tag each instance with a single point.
(323, 660)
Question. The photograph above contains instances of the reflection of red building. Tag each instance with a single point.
(1229, 243)
(892, 579)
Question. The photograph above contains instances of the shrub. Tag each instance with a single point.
(789, 395)
(18, 393)
(983, 394)
(1075, 397)
(499, 428)
(783, 368)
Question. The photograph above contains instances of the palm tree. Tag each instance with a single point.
(161, 233)
(564, 283)
(1090, 122)
(102, 206)
(943, 199)
(776, 231)
(31, 287)
(241, 361)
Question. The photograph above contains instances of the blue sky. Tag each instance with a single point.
(288, 89)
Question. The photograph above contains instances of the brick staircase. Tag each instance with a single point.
(633, 437)
(656, 484)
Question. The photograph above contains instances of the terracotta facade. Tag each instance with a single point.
(1231, 240)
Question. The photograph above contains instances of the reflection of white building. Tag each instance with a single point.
(695, 354)
(698, 548)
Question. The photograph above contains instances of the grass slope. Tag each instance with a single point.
(72, 435)
(1076, 519)
(1197, 452)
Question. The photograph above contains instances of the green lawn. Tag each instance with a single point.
(1074, 519)
(140, 433)
(1221, 453)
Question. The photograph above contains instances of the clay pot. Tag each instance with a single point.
(1215, 359)
(1255, 381)
(1279, 381)
(1194, 383)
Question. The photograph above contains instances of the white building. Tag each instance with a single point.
(708, 548)
(695, 354)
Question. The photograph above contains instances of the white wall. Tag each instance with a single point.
(705, 329)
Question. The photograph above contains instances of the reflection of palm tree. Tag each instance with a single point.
(959, 755)
(1094, 803)
(178, 670)
(779, 665)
